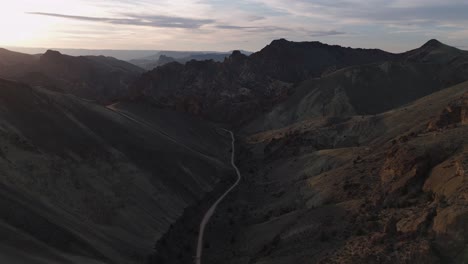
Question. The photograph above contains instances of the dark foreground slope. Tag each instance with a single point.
(81, 183)
(241, 86)
(93, 77)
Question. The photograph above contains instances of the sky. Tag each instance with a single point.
(223, 25)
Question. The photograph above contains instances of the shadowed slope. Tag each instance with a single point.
(98, 185)
(93, 77)
(371, 88)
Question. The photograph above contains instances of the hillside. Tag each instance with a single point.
(371, 88)
(240, 86)
(385, 188)
(82, 183)
(99, 78)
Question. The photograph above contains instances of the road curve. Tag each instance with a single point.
(212, 209)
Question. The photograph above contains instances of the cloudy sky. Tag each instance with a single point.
(394, 25)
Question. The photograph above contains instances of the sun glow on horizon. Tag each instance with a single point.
(19, 28)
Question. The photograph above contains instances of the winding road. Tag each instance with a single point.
(210, 212)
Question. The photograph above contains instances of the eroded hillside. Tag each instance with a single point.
(82, 183)
(389, 188)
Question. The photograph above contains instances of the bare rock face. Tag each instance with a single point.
(446, 178)
(448, 184)
(403, 165)
(451, 228)
(416, 221)
(456, 113)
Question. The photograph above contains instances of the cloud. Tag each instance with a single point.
(250, 27)
(252, 18)
(326, 33)
(234, 27)
(396, 25)
(377, 11)
(138, 20)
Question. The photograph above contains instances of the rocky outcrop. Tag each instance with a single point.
(243, 86)
(456, 113)
(447, 182)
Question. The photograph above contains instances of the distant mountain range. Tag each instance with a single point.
(126, 55)
(92, 77)
(241, 85)
(164, 57)
(118, 54)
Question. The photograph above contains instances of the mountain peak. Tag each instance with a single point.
(284, 43)
(236, 53)
(52, 53)
(433, 43)
(236, 57)
(281, 40)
